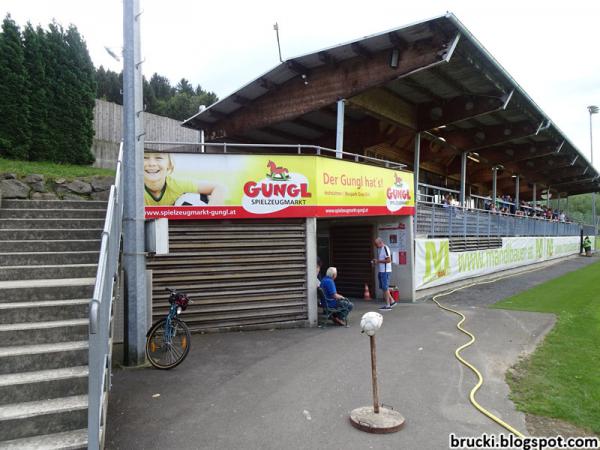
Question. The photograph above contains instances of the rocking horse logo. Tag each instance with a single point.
(278, 190)
(398, 194)
(277, 173)
(398, 180)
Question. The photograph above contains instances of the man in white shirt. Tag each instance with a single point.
(384, 261)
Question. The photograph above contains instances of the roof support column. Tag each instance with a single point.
(494, 185)
(517, 189)
(534, 195)
(463, 178)
(548, 197)
(339, 137)
(416, 175)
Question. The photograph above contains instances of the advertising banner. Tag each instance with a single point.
(209, 186)
(436, 264)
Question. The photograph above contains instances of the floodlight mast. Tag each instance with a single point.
(134, 258)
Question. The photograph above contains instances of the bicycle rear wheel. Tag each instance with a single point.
(166, 352)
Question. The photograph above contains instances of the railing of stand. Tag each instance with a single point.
(437, 220)
(300, 149)
(101, 313)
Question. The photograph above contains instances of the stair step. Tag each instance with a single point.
(44, 332)
(19, 420)
(8, 234)
(43, 384)
(50, 258)
(43, 289)
(68, 440)
(39, 311)
(51, 223)
(47, 245)
(54, 204)
(37, 272)
(64, 213)
(25, 358)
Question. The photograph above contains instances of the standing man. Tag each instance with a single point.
(384, 261)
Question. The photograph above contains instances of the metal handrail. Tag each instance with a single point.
(100, 315)
(298, 147)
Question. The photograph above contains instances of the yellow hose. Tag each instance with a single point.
(480, 408)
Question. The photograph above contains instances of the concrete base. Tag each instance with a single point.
(386, 421)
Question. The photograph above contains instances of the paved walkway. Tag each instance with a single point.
(294, 389)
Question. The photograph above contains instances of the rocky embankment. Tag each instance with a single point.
(38, 187)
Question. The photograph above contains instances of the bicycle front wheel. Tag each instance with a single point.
(168, 350)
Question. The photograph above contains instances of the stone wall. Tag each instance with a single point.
(38, 187)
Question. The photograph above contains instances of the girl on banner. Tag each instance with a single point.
(162, 189)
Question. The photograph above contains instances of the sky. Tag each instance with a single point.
(549, 47)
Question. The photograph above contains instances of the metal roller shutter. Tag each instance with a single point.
(351, 251)
(237, 273)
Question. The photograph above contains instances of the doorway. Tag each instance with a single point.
(349, 248)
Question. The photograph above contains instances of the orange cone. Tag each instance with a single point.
(367, 294)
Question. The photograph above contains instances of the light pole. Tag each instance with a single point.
(593, 110)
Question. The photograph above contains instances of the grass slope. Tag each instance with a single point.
(50, 170)
(562, 377)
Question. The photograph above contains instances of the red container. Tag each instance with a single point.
(395, 294)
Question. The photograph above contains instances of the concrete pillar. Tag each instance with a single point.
(517, 189)
(311, 269)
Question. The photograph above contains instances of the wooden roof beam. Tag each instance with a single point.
(436, 114)
(481, 138)
(326, 85)
(361, 50)
(295, 66)
(326, 58)
(383, 104)
(267, 84)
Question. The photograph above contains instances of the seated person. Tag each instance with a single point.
(333, 299)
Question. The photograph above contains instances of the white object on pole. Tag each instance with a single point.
(371, 322)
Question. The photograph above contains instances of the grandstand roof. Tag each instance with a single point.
(433, 77)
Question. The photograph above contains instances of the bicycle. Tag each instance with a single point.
(168, 340)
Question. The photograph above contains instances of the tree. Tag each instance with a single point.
(72, 90)
(161, 87)
(184, 87)
(57, 73)
(37, 82)
(83, 88)
(160, 97)
(15, 131)
(109, 85)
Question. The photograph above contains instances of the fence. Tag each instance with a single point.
(436, 220)
(108, 128)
